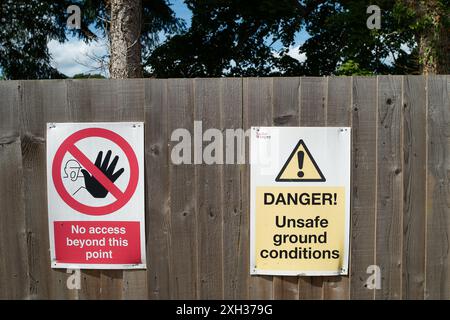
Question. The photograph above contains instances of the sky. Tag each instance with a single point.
(75, 56)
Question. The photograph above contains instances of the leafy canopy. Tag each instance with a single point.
(26, 28)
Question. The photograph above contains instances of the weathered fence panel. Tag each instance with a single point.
(364, 184)
(438, 189)
(197, 215)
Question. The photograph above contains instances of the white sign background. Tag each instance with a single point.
(133, 210)
(270, 147)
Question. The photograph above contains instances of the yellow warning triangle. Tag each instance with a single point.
(300, 167)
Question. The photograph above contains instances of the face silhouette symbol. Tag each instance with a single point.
(72, 170)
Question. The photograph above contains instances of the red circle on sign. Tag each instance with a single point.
(70, 143)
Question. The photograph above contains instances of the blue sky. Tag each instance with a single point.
(75, 56)
(181, 10)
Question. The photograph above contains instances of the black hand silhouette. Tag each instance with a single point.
(95, 188)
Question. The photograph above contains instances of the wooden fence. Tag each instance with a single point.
(197, 216)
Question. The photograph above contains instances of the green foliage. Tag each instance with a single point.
(157, 18)
(234, 38)
(239, 38)
(352, 68)
(26, 28)
(88, 76)
(339, 33)
(430, 22)
(229, 37)
(28, 25)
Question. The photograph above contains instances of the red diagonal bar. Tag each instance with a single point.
(96, 172)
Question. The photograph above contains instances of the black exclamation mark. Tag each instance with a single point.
(300, 157)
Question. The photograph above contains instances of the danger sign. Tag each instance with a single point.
(96, 195)
(300, 201)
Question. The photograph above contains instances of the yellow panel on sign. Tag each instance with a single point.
(300, 228)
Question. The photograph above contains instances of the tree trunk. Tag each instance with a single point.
(434, 50)
(125, 35)
(433, 37)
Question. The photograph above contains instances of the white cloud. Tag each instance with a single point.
(75, 56)
(294, 53)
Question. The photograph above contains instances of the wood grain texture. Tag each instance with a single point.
(414, 186)
(183, 214)
(313, 113)
(130, 95)
(14, 279)
(285, 113)
(101, 101)
(89, 101)
(339, 114)
(235, 218)
(257, 111)
(40, 102)
(157, 159)
(438, 188)
(364, 180)
(9, 110)
(389, 187)
(209, 190)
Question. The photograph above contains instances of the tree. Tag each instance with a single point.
(26, 28)
(414, 37)
(133, 28)
(125, 35)
(431, 27)
(235, 38)
(340, 39)
(230, 37)
(87, 76)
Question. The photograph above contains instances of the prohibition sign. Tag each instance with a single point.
(68, 145)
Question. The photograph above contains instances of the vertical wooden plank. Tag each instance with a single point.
(313, 104)
(285, 113)
(313, 101)
(389, 187)
(364, 181)
(414, 186)
(88, 101)
(14, 280)
(9, 109)
(41, 102)
(209, 191)
(339, 111)
(107, 100)
(183, 223)
(235, 218)
(438, 188)
(130, 107)
(157, 173)
(257, 111)
(127, 105)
